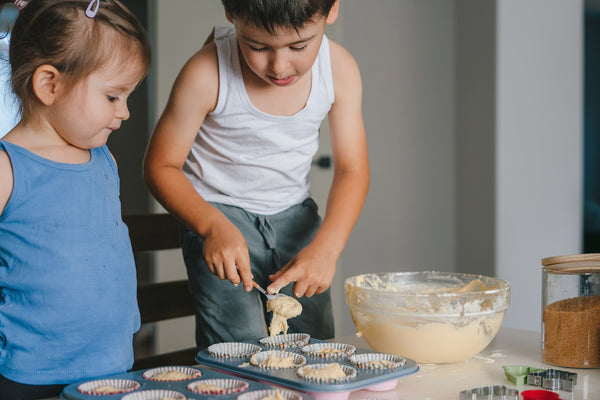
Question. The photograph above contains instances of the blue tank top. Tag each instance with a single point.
(68, 307)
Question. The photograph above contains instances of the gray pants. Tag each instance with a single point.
(225, 313)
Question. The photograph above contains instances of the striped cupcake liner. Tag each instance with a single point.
(233, 349)
(377, 361)
(186, 373)
(287, 341)
(348, 371)
(225, 386)
(258, 359)
(155, 395)
(106, 387)
(269, 393)
(329, 350)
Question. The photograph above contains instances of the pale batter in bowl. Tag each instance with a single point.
(430, 317)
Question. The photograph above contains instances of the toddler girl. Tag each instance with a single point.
(68, 307)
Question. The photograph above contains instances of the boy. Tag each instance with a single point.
(230, 157)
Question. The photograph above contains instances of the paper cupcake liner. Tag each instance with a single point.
(258, 358)
(349, 371)
(233, 349)
(329, 350)
(286, 341)
(227, 386)
(119, 385)
(377, 361)
(261, 394)
(191, 373)
(155, 395)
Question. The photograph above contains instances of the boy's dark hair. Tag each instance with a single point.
(270, 14)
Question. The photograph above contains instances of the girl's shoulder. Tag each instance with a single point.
(6, 179)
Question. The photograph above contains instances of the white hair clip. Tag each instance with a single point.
(92, 9)
(20, 4)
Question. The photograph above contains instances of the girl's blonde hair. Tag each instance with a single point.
(58, 33)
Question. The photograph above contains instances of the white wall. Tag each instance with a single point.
(405, 52)
(519, 129)
(538, 144)
(475, 104)
(9, 106)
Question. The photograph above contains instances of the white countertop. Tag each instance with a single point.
(446, 381)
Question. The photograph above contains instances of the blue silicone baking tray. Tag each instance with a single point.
(365, 378)
(71, 392)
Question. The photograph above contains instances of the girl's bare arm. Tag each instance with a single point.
(6, 179)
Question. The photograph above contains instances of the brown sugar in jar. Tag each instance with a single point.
(572, 332)
(571, 310)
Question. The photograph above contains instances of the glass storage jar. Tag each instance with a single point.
(571, 310)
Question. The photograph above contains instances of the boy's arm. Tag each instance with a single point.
(193, 96)
(313, 267)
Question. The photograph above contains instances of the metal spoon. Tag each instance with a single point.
(269, 296)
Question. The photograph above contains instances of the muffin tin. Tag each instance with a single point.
(370, 379)
(146, 386)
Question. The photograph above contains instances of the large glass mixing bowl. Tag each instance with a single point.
(431, 317)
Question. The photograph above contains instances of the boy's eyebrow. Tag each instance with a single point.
(248, 39)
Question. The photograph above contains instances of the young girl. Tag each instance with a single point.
(68, 307)
(231, 155)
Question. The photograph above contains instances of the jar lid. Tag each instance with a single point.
(574, 263)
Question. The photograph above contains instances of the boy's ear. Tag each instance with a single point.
(333, 13)
(228, 17)
(45, 83)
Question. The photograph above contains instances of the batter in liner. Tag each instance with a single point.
(283, 308)
(330, 371)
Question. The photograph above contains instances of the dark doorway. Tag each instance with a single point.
(591, 234)
(128, 144)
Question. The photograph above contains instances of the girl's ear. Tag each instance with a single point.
(45, 83)
(333, 13)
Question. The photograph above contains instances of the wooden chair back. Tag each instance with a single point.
(158, 301)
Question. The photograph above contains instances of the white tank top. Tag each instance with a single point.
(250, 159)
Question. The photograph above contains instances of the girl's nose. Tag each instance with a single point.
(122, 111)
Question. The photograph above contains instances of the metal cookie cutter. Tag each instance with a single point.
(517, 374)
(489, 393)
(553, 379)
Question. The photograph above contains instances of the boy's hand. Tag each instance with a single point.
(311, 269)
(226, 254)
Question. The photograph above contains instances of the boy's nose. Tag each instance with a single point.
(278, 64)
